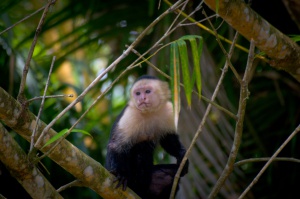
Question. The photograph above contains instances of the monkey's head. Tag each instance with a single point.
(148, 94)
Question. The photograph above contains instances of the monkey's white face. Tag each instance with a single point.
(146, 95)
(145, 98)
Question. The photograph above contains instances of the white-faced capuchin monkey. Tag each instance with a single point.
(146, 121)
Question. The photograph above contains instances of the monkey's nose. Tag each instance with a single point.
(143, 97)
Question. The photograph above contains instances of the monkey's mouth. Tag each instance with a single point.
(144, 105)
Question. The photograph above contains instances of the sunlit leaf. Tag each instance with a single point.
(63, 133)
(175, 81)
(56, 137)
(196, 54)
(81, 131)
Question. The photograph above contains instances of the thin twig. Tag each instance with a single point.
(237, 76)
(270, 161)
(203, 121)
(167, 33)
(75, 183)
(110, 67)
(41, 107)
(172, 24)
(194, 23)
(21, 97)
(252, 160)
(25, 18)
(49, 97)
(244, 94)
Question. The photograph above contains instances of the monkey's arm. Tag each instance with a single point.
(170, 142)
(117, 162)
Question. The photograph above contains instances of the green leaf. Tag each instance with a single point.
(175, 82)
(295, 38)
(179, 54)
(81, 131)
(188, 84)
(56, 137)
(196, 54)
(62, 133)
(197, 66)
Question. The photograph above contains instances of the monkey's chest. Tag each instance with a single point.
(135, 126)
(143, 129)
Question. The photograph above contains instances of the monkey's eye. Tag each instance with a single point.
(148, 91)
(138, 93)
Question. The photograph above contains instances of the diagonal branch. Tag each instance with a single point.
(24, 19)
(15, 159)
(266, 159)
(285, 53)
(81, 166)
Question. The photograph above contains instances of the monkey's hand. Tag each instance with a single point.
(120, 179)
(185, 168)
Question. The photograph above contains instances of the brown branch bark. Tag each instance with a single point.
(15, 159)
(84, 168)
(283, 52)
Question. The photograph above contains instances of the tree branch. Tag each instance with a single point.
(285, 53)
(24, 19)
(69, 157)
(75, 183)
(15, 160)
(251, 160)
(48, 97)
